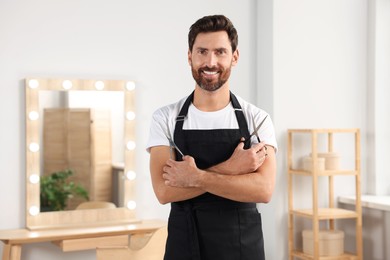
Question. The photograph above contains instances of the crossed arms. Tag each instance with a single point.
(247, 176)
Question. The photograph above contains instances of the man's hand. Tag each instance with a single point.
(181, 173)
(241, 185)
(243, 161)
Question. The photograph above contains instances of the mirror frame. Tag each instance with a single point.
(36, 220)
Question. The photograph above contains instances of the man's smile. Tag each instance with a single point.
(209, 74)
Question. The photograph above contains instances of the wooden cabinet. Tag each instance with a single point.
(80, 140)
(316, 213)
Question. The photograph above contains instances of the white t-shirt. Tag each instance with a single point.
(164, 121)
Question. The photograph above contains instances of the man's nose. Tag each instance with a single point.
(211, 60)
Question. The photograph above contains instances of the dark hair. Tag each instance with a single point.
(213, 23)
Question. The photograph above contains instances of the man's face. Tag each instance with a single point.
(211, 60)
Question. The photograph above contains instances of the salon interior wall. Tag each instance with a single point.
(145, 41)
(320, 71)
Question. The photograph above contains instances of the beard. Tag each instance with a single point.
(210, 84)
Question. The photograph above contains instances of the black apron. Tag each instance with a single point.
(210, 227)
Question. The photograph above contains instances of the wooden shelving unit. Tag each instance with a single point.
(331, 213)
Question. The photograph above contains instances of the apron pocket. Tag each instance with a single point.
(219, 234)
(251, 234)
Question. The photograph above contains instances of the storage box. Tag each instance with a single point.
(332, 160)
(331, 242)
(307, 163)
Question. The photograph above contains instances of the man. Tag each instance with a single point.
(213, 189)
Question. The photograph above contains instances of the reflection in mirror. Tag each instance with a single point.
(81, 131)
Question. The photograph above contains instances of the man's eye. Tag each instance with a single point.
(203, 52)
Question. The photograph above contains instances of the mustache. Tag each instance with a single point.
(207, 68)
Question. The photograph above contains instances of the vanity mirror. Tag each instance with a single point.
(100, 149)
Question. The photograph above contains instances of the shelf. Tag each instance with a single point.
(325, 213)
(318, 138)
(323, 173)
(345, 256)
(335, 130)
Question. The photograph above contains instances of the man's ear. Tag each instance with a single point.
(189, 54)
(236, 55)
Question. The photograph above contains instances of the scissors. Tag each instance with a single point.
(255, 131)
(172, 144)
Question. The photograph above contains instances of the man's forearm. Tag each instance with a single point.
(251, 187)
(256, 186)
(239, 178)
(167, 194)
(220, 168)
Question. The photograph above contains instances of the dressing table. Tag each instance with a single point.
(79, 238)
(72, 229)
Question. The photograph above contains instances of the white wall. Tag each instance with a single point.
(378, 93)
(144, 41)
(319, 81)
(382, 95)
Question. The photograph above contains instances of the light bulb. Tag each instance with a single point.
(33, 83)
(99, 85)
(67, 84)
(131, 204)
(34, 147)
(33, 115)
(130, 85)
(130, 115)
(130, 145)
(34, 178)
(131, 175)
(33, 234)
(34, 210)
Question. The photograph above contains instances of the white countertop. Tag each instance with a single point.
(369, 201)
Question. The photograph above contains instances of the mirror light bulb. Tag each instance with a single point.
(131, 204)
(33, 83)
(34, 210)
(130, 85)
(130, 145)
(99, 85)
(131, 175)
(34, 147)
(33, 115)
(130, 115)
(67, 84)
(33, 234)
(34, 178)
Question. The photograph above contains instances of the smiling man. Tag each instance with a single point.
(213, 189)
(214, 75)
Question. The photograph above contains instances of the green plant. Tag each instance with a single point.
(56, 190)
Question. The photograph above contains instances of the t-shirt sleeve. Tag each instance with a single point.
(158, 130)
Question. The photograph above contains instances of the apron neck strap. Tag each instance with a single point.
(241, 120)
(242, 124)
